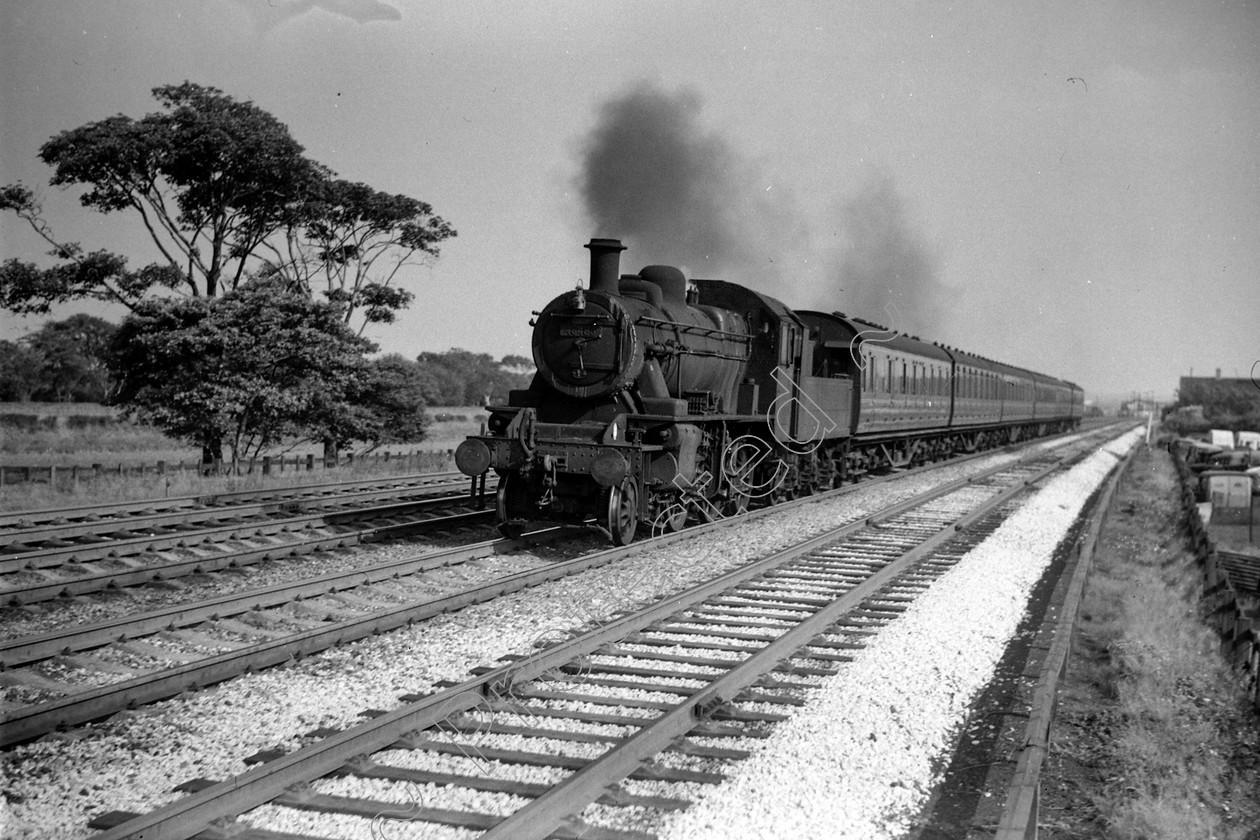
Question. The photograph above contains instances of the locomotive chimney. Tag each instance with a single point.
(605, 264)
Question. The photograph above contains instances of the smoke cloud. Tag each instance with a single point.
(652, 176)
(677, 193)
(884, 271)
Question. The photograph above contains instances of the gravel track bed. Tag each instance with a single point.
(130, 762)
(428, 796)
(342, 827)
(39, 618)
(90, 608)
(468, 766)
(857, 761)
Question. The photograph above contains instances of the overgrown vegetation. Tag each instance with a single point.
(1165, 747)
(1203, 404)
(63, 361)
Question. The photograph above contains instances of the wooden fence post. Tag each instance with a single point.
(310, 461)
(266, 465)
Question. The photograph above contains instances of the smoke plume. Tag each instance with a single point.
(677, 193)
(652, 176)
(884, 271)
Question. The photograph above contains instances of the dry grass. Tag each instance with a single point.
(1183, 756)
(134, 446)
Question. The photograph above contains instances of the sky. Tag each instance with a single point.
(1070, 187)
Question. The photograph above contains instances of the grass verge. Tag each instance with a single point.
(1153, 739)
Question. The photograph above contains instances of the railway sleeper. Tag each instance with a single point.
(305, 799)
(368, 769)
(646, 772)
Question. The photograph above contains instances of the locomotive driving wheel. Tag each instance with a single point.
(623, 513)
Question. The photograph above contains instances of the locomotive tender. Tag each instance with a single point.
(659, 399)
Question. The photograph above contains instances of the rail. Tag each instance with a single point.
(1020, 811)
(69, 475)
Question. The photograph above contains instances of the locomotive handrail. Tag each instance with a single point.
(692, 328)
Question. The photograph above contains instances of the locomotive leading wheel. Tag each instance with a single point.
(623, 513)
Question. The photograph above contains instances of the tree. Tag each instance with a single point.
(222, 189)
(234, 208)
(74, 354)
(465, 378)
(247, 370)
(20, 374)
(393, 400)
(354, 241)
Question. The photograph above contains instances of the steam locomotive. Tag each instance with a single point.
(659, 399)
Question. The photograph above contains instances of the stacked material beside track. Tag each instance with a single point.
(129, 762)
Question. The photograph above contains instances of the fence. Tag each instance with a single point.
(1227, 604)
(416, 461)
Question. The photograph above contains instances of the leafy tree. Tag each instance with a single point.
(393, 400)
(211, 179)
(247, 370)
(353, 242)
(238, 213)
(20, 371)
(74, 353)
(222, 189)
(462, 377)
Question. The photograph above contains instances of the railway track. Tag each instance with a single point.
(68, 677)
(623, 718)
(66, 553)
(34, 525)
